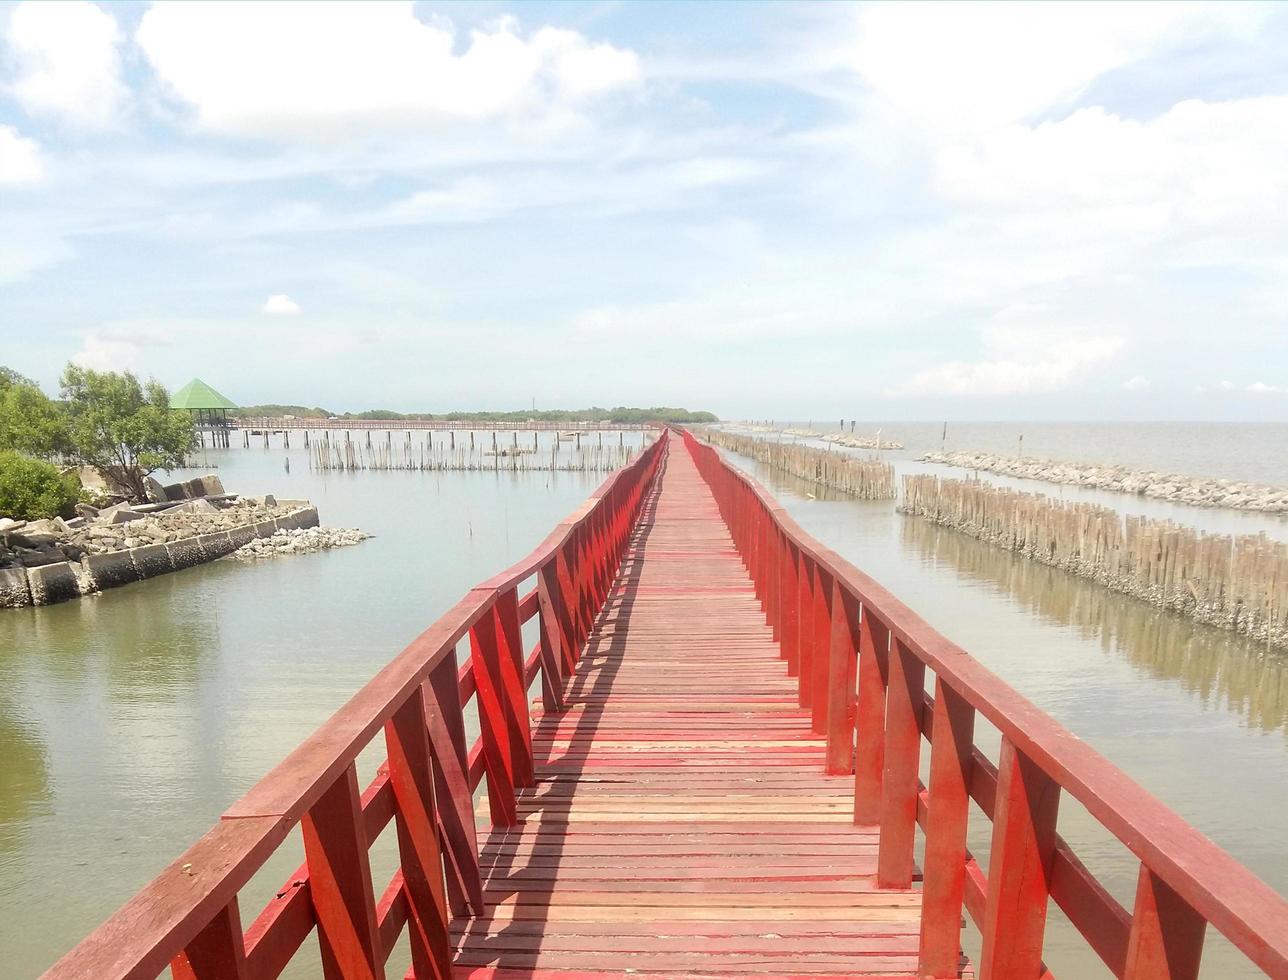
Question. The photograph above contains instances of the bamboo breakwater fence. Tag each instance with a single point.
(350, 456)
(1235, 582)
(867, 479)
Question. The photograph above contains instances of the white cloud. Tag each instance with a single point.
(279, 304)
(969, 67)
(19, 158)
(68, 62)
(101, 352)
(325, 71)
(1261, 388)
(1019, 361)
(1198, 164)
(24, 250)
(1137, 383)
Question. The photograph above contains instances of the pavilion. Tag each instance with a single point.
(208, 408)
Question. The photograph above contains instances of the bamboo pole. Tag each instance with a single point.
(1236, 582)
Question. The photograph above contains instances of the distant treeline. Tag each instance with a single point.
(619, 414)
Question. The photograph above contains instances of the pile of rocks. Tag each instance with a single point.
(300, 541)
(1198, 491)
(49, 561)
(861, 442)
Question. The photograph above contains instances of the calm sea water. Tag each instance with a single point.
(1257, 452)
(129, 721)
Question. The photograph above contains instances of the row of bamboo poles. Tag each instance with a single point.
(351, 457)
(867, 479)
(1219, 670)
(1237, 582)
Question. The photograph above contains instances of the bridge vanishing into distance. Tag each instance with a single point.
(723, 776)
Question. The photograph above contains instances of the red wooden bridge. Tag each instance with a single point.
(726, 774)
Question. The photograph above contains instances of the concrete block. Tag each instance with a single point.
(156, 492)
(265, 529)
(210, 485)
(14, 590)
(185, 553)
(194, 507)
(303, 517)
(176, 491)
(151, 560)
(215, 545)
(118, 514)
(110, 569)
(242, 534)
(52, 583)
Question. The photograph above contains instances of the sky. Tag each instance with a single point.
(769, 211)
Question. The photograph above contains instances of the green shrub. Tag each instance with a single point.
(31, 488)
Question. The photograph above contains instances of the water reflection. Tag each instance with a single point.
(1220, 670)
(24, 777)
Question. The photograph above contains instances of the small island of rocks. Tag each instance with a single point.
(53, 560)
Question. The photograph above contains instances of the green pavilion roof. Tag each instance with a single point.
(197, 395)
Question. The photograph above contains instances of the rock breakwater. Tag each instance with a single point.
(1238, 583)
(300, 541)
(861, 442)
(48, 561)
(1197, 491)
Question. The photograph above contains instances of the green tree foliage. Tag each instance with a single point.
(276, 411)
(594, 414)
(31, 488)
(29, 421)
(126, 429)
(9, 377)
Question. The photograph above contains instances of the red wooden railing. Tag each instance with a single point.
(862, 657)
(188, 917)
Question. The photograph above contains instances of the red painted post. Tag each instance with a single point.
(1166, 940)
(944, 874)
(761, 553)
(506, 611)
(774, 569)
(869, 717)
(218, 952)
(335, 849)
(419, 849)
(568, 610)
(822, 654)
(494, 723)
(789, 643)
(445, 724)
(582, 573)
(805, 629)
(905, 697)
(841, 674)
(1019, 868)
(551, 621)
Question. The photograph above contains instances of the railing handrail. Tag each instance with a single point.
(1251, 914)
(180, 907)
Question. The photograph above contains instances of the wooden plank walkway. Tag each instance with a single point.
(681, 823)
